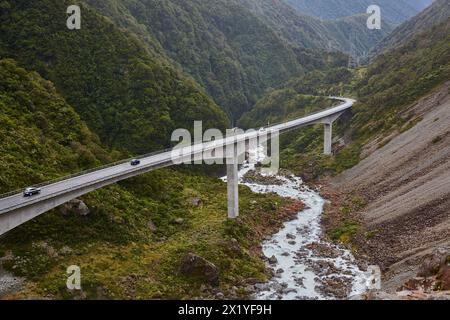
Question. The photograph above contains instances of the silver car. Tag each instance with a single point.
(31, 191)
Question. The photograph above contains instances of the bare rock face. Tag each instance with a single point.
(196, 266)
(75, 206)
(433, 263)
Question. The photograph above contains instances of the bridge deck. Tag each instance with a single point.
(151, 162)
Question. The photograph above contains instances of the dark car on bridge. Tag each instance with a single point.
(31, 191)
(135, 162)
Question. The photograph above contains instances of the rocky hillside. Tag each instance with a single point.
(406, 185)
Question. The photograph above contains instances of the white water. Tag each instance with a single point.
(299, 280)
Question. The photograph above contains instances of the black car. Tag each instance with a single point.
(135, 162)
(31, 191)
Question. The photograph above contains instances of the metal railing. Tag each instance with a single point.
(74, 175)
(63, 178)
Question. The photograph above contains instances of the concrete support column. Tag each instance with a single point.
(233, 185)
(328, 138)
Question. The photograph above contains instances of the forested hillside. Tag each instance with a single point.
(437, 13)
(130, 98)
(384, 89)
(134, 235)
(238, 49)
(228, 50)
(348, 35)
(41, 135)
(394, 11)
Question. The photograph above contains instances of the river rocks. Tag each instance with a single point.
(323, 250)
(48, 249)
(337, 287)
(290, 236)
(255, 177)
(9, 283)
(196, 266)
(75, 206)
(273, 260)
(292, 242)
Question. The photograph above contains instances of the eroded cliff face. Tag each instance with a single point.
(406, 184)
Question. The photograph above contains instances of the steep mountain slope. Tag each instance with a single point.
(349, 35)
(226, 48)
(132, 99)
(437, 13)
(246, 49)
(39, 131)
(406, 185)
(394, 11)
(383, 90)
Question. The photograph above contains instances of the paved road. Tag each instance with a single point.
(156, 161)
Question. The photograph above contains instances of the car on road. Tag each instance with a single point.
(135, 162)
(31, 191)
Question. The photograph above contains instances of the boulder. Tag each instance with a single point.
(195, 266)
(151, 226)
(196, 202)
(273, 260)
(178, 221)
(75, 206)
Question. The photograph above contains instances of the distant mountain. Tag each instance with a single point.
(237, 49)
(394, 11)
(435, 14)
(232, 53)
(349, 34)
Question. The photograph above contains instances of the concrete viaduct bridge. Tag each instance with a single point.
(15, 209)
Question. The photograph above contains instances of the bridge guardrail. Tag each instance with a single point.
(67, 177)
(46, 183)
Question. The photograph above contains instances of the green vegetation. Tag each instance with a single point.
(41, 135)
(395, 11)
(130, 98)
(131, 243)
(435, 14)
(384, 90)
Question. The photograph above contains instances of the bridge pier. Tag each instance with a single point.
(328, 132)
(328, 138)
(233, 184)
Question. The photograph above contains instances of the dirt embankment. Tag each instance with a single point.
(407, 186)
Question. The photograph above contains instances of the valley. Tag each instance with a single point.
(137, 70)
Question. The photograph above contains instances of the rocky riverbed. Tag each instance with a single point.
(304, 265)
